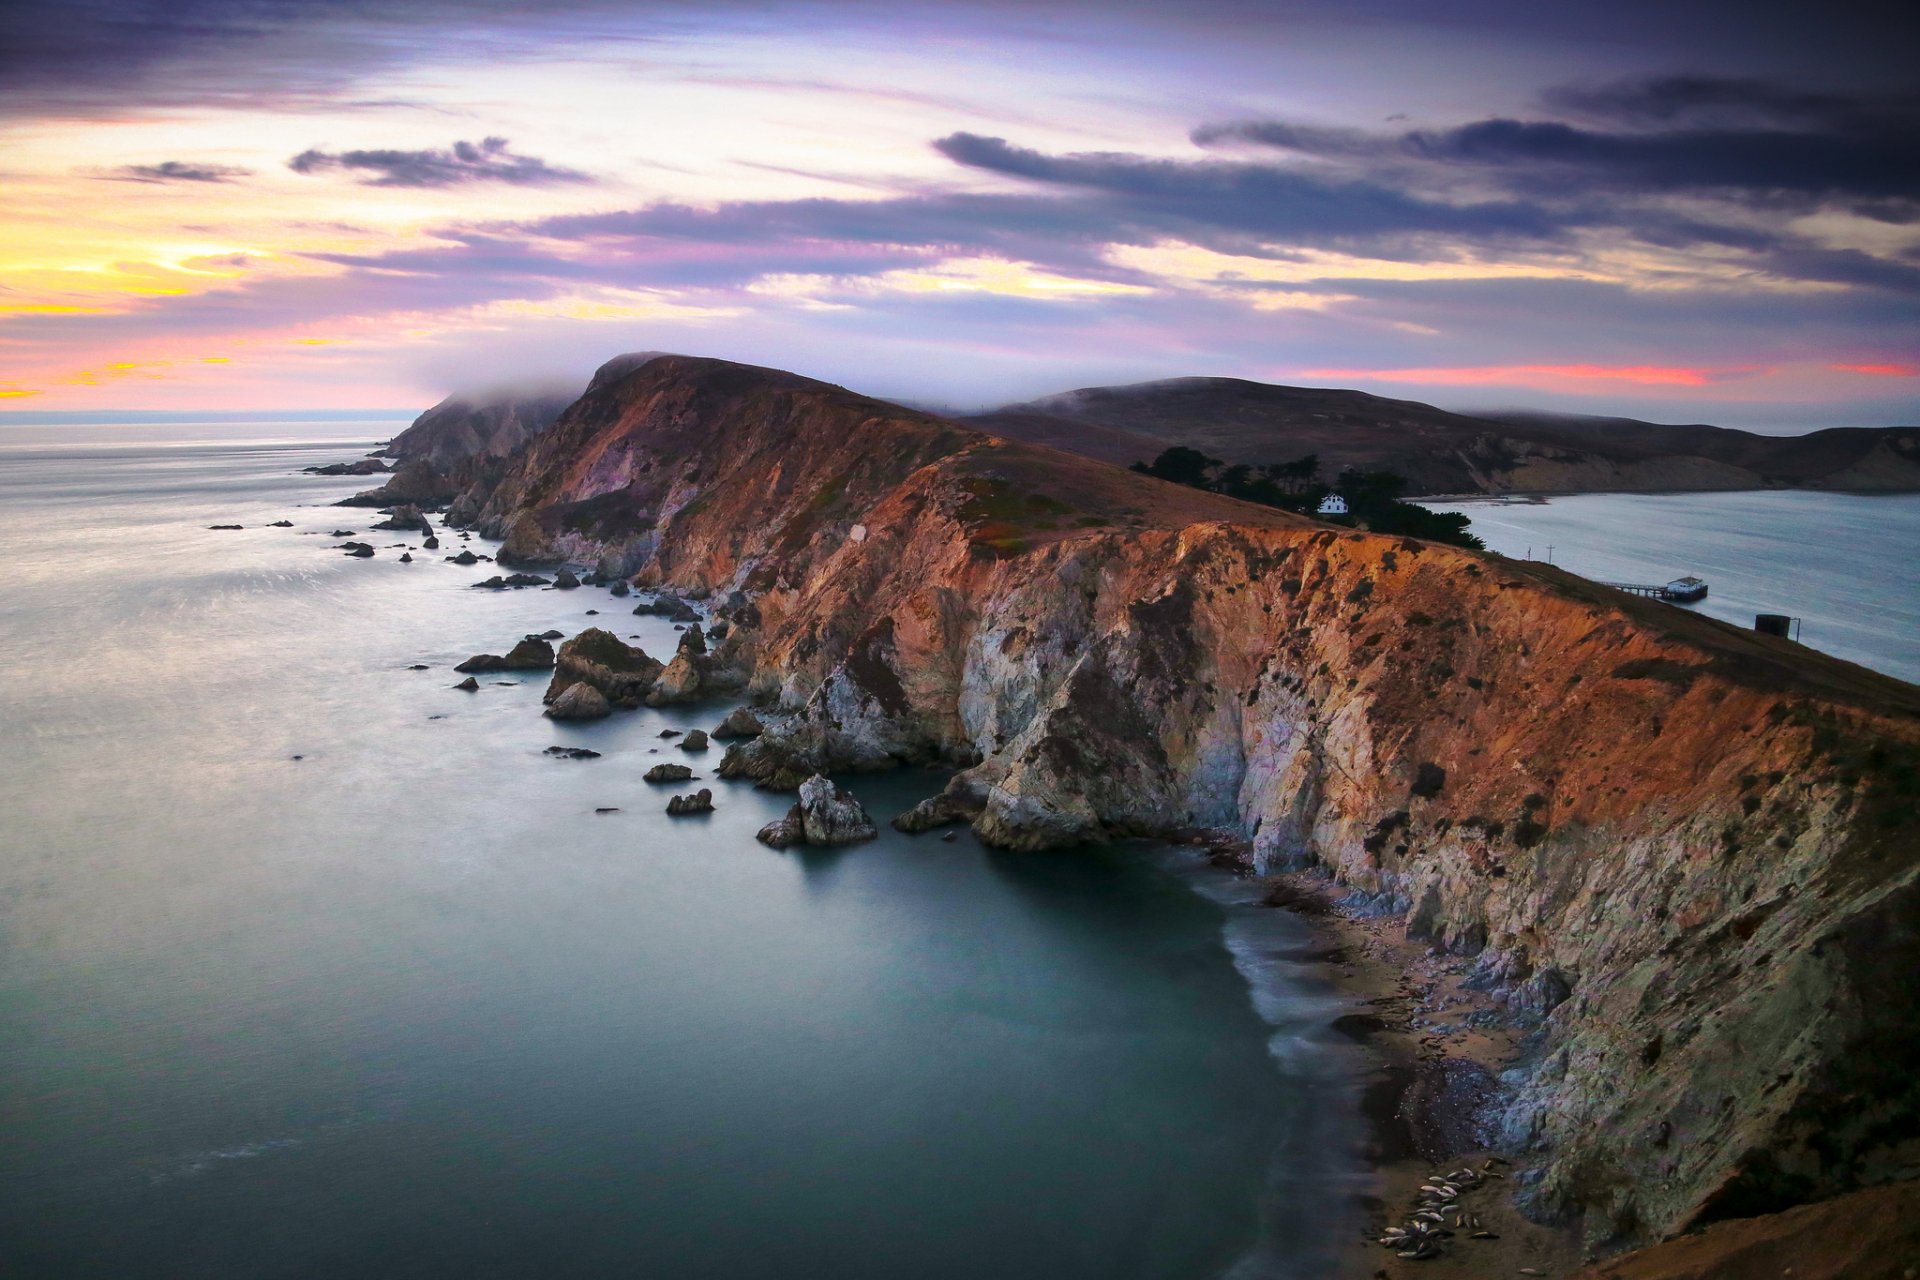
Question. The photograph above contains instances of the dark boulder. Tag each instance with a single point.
(469, 685)
(531, 654)
(431, 544)
(565, 581)
(695, 741)
(465, 557)
(668, 773)
(618, 588)
(571, 753)
(280, 524)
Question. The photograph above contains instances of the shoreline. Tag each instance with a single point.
(1424, 1086)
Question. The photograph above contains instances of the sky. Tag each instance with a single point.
(1678, 211)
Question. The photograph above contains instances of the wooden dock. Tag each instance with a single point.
(1658, 591)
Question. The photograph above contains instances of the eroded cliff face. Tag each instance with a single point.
(1687, 851)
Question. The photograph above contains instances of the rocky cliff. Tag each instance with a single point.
(460, 428)
(1687, 852)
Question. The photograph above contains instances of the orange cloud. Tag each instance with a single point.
(1882, 370)
(1551, 376)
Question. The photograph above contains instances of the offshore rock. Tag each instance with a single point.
(826, 815)
(668, 773)
(695, 741)
(622, 674)
(700, 801)
(579, 701)
(565, 581)
(469, 685)
(531, 654)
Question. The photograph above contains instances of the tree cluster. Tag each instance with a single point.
(1373, 497)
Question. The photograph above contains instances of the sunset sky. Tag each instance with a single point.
(1685, 212)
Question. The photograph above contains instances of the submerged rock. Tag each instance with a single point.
(226, 526)
(579, 701)
(826, 815)
(469, 685)
(341, 533)
(360, 549)
(280, 524)
(700, 801)
(668, 773)
(571, 753)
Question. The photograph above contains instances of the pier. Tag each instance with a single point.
(1679, 591)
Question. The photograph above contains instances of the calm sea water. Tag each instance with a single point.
(1847, 565)
(407, 1006)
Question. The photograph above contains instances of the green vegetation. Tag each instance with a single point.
(999, 516)
(1373, 497)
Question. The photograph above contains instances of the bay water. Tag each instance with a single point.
(311, 965)
(1845, 565)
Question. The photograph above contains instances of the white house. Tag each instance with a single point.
(1333, 505)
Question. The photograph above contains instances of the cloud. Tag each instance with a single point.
(489, 160)
(1742, 139)
(177, 171)
(1882, 370)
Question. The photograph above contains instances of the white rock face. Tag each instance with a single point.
(830, 815)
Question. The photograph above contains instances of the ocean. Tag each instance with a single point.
(311, 965)
(1845, 565)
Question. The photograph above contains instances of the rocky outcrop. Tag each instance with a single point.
(666, 605)
(623, 674)
(740, 723)
(463, 428)
(695, 741)
(668, 773)
(415, 482)
(358, 467)
(578, 701)
(407, 517)
(1686, 853)
(825, 815)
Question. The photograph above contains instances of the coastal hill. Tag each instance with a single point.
(1449, 453)
(1683, 853)
(464, 428)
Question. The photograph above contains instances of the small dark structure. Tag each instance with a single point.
(1775, 624)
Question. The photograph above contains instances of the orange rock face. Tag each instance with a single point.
(1689, 852)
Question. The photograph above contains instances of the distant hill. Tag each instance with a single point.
(1447, 453)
